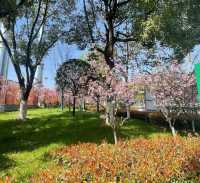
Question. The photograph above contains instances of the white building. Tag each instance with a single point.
(4, 57)
(38, 81)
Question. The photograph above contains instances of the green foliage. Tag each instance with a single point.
(9, 8)
(175, 24)
(25, 146)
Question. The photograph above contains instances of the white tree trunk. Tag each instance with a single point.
(23, 110)
(82, 105)
(172, 129)
(108, 111)
(115, 135)
(128, 111)
(111, 118)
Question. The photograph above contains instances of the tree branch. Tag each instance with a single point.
(99, 49)
(87, 20)
(42, 22)
(124, 40)
(13, 35)
(32, 31)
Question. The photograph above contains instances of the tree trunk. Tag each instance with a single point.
(193, 126)
(82, 105)
(62, 99)
(108, 112)
(128, 111)
(74, 105)
(110, 117)
(173, 131)
(115, 135)
(69, 104)
(24, 94)
(97, 104)
(23, 110)
(172, 128)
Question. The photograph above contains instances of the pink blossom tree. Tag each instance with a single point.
(110, 83)
(126, 93)
(97, 92)
(170, 87)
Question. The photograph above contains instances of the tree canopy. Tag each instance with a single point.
(73, 75)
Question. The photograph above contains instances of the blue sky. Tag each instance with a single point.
(55, 57)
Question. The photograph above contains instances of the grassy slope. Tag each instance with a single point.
(23, 146)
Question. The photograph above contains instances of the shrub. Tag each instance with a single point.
(6, 180)
(164, 159)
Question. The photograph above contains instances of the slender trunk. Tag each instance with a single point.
(82, 107)
(172, 128)
(62, 99)
(74, 105)
(110, 117)
(107, 118)
(128, 111)
(24, 93)
(173, 131)
(97, 104)
(115, 135)
(69, 104)
(108, 112)
(193, 126)
(23, 110)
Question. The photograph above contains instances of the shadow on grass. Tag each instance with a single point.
(61, 128)
(5, 162)
(139, 128)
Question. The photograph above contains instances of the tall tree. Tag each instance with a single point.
(102, 24)
(108, 22)
(30, 34)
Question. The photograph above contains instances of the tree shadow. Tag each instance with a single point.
(6, 162)
(139, 128)
(61, 129)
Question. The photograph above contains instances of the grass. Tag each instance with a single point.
(24, 146)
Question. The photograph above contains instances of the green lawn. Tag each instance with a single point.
(24, 146)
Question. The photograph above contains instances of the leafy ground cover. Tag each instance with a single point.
(24, 147)
(156, 160)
